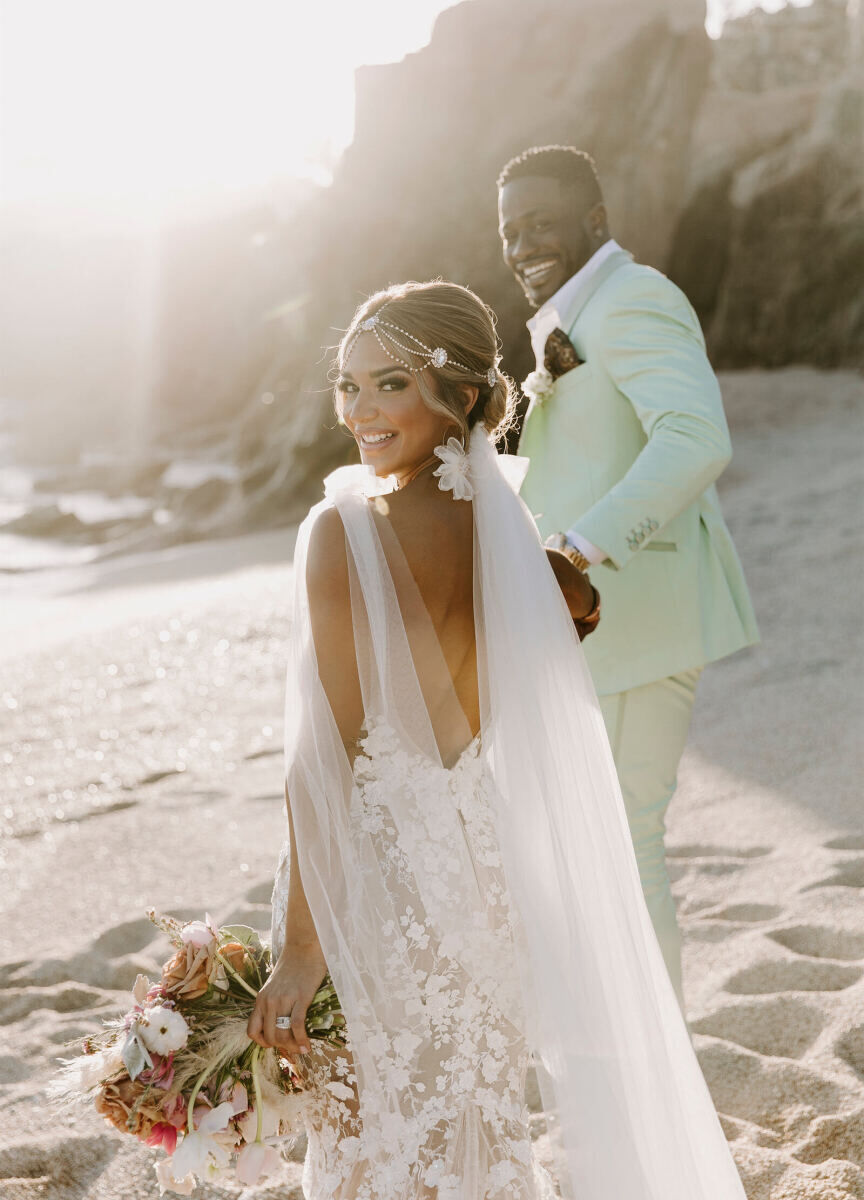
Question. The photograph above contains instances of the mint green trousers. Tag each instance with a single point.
(647, 729)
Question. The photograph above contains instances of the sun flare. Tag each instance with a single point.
(125, 113)
(130, 111)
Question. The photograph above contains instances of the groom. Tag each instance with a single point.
(626, 434)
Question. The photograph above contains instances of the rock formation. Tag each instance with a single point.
(770, 243)
(735, 166)
(415, 197)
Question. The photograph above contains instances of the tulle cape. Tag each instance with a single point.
(628, 1109)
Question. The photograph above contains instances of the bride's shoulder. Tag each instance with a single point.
(326, 555)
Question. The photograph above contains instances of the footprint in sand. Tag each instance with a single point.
(126, 938)
(781, 1027)
(850, 1048)
(9, 970)
(769, 1093)
(156, 776)
(13, 1070)
(55, 1168)
(260, 893)
(708, 859)
(835, 1137)
(89, 969)
(745, 913)
(705, 850)
(256, 918)
(820, 942)
(18, 1003)
(99, 810)
(848, 874)
(711, 931)
(849, 841)
(768, 977)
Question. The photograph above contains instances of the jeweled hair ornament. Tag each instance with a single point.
(431, 356)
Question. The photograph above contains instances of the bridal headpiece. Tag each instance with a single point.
(392, 337)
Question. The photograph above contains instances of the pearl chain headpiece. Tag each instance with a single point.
(437, 357)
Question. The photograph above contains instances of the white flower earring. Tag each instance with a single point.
(454, 474)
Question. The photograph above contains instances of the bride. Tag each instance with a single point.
(458, 854)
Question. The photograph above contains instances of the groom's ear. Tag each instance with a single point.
(596, 222)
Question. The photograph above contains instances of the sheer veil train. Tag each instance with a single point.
(629, 1111)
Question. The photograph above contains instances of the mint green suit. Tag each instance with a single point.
(626, 449)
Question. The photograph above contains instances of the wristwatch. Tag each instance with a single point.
(561, 543)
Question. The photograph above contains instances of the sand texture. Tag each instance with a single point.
(140, 762)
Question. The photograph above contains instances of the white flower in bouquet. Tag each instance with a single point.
(270, 1119)
(168, 1182)
(453, 474)
(538, 385)
(163, 1030)
(198, 1150)
(254, 1160)
(199, 933)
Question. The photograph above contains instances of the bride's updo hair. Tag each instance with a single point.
(440, 314)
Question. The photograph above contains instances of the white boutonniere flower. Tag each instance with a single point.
(538, 385)
(453, 474)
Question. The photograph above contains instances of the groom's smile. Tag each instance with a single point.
(543, 240)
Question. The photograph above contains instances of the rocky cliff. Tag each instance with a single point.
(770, 242)
(415, 197)
(735, 166)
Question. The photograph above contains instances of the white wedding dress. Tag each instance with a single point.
(477, 899)
(463, 1125)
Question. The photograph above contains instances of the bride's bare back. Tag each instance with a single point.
(436, 536)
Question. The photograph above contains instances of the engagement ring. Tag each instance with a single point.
(283, 1022)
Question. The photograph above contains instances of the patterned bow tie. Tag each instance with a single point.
(559, 354)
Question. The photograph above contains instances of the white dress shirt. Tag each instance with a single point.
(552, 315)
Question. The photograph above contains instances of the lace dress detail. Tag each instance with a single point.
(453, 1124)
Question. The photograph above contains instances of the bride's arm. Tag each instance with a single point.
(297, 972)
(575, 586)
(300, 968)
(329, 589)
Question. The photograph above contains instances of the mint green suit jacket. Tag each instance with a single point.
(626, 449)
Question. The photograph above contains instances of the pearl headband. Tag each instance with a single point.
(432, 357)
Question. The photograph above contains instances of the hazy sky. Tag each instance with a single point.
(118, 111)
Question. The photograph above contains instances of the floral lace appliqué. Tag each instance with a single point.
(451, 1123)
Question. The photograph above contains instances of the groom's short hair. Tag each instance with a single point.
(573, 168)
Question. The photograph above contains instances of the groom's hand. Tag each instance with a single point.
(583, 602)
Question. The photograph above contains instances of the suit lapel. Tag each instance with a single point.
(614, 262)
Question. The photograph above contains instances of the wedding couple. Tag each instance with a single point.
(459, 855)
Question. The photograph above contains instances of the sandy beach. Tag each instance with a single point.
(141, 766)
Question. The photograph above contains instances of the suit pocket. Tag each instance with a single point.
(574, 378)
(660, 546)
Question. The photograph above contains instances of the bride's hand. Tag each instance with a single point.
(296, 977)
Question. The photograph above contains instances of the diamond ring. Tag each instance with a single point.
(283, 1022)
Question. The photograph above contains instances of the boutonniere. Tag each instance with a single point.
(538, 385)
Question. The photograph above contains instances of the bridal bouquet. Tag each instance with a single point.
(178, 1071)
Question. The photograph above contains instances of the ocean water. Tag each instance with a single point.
(27, 489)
